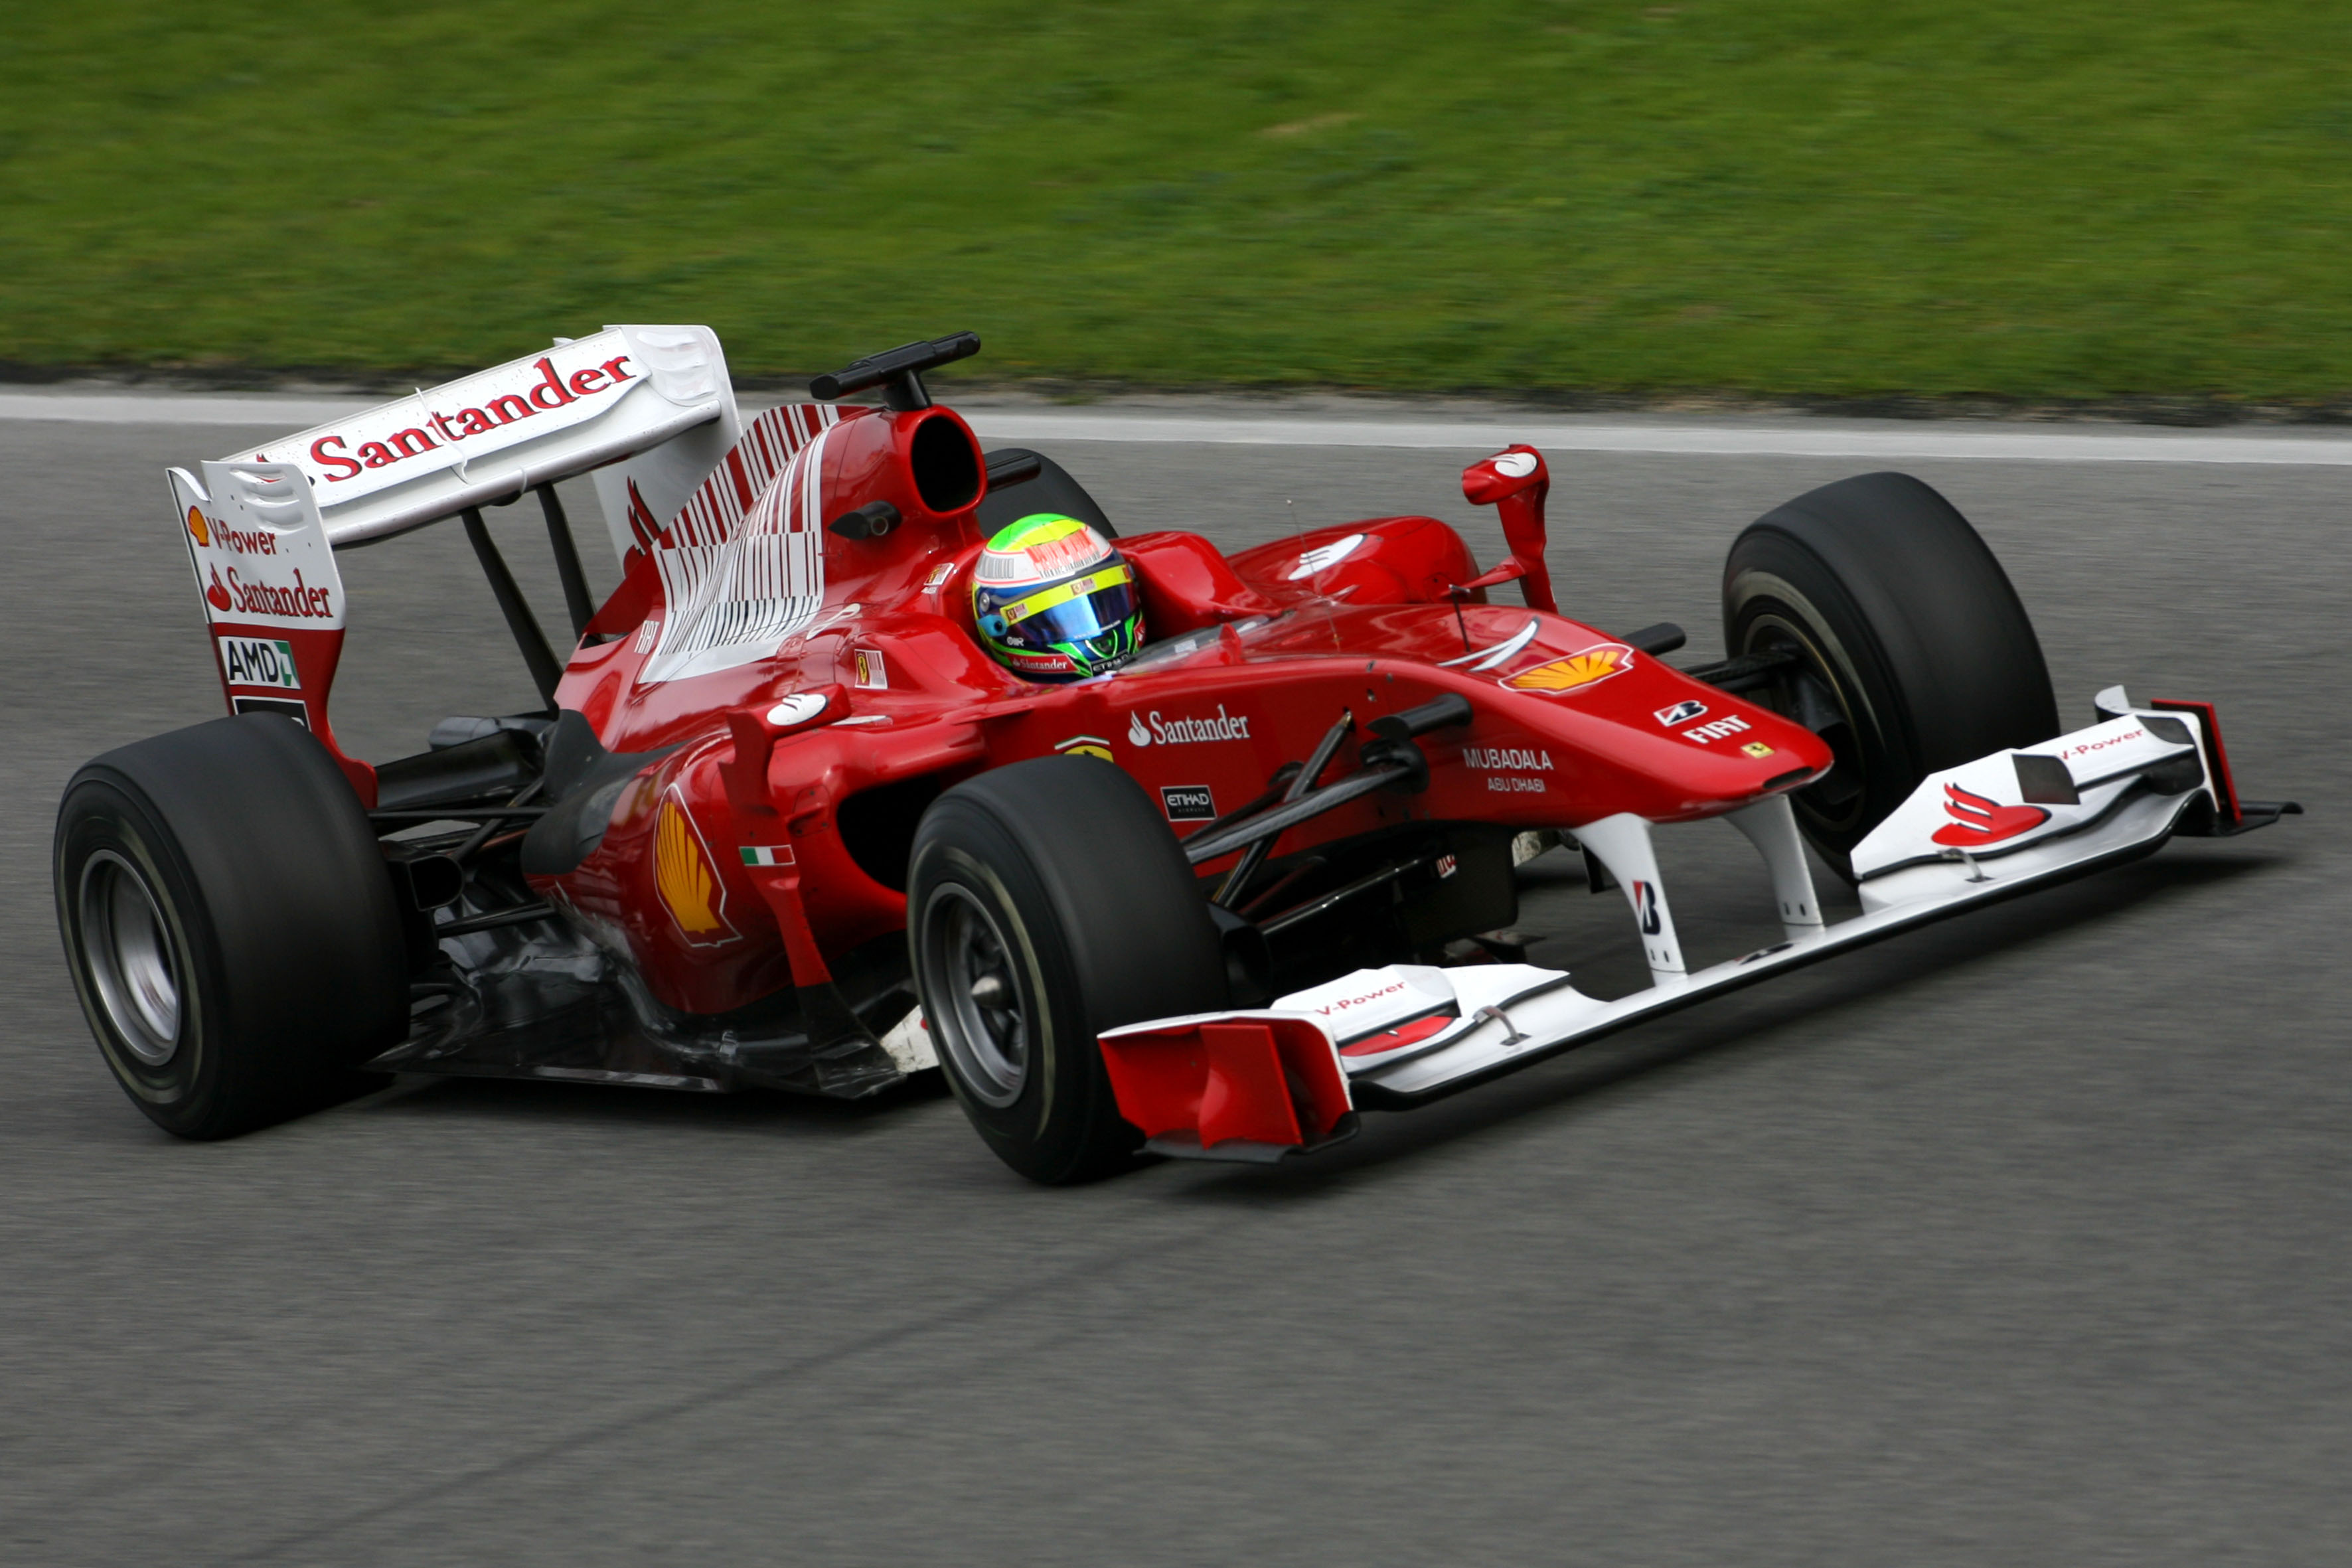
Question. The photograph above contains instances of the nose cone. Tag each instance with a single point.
(1662, 744)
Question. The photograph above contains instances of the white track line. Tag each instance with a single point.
(138, 408)
(1757, 438)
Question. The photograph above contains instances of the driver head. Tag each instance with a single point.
(1054, 601)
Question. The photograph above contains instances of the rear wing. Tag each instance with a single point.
(650, 406)
(490, 437)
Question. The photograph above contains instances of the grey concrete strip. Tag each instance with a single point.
(1762, 437)
(1777, 439)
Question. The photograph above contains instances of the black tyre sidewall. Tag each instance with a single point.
(1061, 1126)
(185, 1094)
(1105, 926)
(286, 943)
(1773, 578)
(1901, 603)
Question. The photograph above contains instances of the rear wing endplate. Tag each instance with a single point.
(489, 436)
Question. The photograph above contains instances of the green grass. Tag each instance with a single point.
(2070, 200)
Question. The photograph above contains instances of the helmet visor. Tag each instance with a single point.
(1078, 625)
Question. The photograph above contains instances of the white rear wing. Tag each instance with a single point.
(489, 436)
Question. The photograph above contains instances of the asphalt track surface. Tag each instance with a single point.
(2019, 1240)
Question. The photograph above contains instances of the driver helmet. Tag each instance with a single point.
(1054, 601)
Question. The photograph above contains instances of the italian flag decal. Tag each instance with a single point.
(767, 854)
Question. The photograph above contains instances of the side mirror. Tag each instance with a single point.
(1515, 482)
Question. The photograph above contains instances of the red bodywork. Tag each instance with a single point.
(725, 865)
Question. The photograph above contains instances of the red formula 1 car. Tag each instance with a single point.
(784, 821)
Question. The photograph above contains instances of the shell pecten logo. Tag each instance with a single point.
(687, 878)
(197, 527)
(1574, 671)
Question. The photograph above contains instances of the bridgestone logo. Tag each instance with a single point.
(1511, 759)
(258, 661)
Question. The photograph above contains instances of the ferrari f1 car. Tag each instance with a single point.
(783, 820)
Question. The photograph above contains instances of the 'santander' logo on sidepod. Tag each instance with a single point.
(1152, 730)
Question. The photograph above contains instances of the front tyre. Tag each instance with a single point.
(1909, 651)
(1047, 902)
(228, 923)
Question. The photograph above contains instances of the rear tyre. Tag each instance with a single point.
(1047, 902)
(1913, 652)
(229, 924)
(1052, 491)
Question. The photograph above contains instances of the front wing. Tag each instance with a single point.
(1258, 1085)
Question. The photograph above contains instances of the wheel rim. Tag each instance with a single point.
(1810, 693)
(128, 947)
(972, 998)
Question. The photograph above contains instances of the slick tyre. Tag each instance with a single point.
(1912, 652)
(1047, 902)
(229, 924)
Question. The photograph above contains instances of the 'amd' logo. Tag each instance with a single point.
(259, 661)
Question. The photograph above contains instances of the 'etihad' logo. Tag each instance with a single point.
(1152, 730)
(1188, 803)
